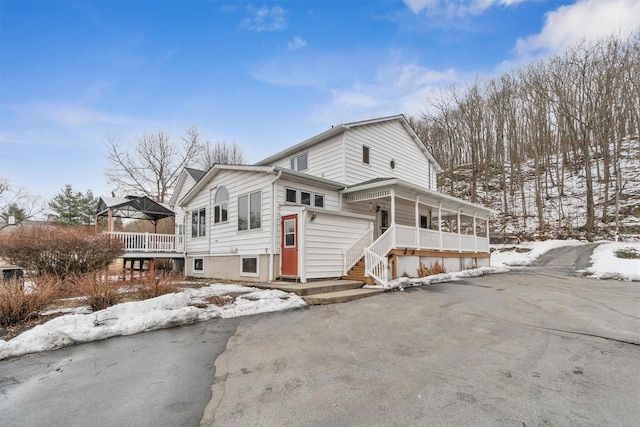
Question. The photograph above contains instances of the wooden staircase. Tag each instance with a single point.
(357, 273)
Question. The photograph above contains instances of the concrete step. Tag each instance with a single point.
(313, 288)
(340, 296)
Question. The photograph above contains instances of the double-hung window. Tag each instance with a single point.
(250, 211)
(199, 222)
(299, 163)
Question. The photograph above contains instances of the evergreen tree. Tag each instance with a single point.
(73, 208)
(17, 212)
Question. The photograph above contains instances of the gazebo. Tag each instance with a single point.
(132, 207)
(139, 247)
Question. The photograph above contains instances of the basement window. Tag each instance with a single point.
(249, 266)
(198, 265)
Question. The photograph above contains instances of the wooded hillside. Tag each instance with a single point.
(553, 146)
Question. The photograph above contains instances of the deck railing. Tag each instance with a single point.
(145, 242)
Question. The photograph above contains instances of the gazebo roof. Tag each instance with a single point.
(134, 207)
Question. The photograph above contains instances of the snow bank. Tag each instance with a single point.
(133, 317)
(525, 253)
(405, 282)
(606, 265)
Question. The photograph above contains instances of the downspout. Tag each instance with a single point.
(273, 226)
(184, 239)
(208, 229)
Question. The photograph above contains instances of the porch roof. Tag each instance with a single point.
(380, 187)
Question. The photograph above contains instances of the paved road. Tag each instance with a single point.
(159, 378)
(536, 347)
(540, 346)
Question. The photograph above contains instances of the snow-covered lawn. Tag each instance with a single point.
(185, 307)
(606, 265)
(190, 305)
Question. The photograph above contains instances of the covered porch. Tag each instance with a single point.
(414, 222)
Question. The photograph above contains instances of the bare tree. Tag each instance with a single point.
(151, 164)
(220, 152)
(18, 203)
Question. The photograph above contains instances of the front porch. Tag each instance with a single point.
(412, 227)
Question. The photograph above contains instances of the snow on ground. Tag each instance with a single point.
(606, 265)
(190, 305)
(525, 253)
(139, 316)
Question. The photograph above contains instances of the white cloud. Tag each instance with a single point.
(296, 43)
(457, 7)
(585, 19)
(265, 19)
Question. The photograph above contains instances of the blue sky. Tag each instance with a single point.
(264, 75)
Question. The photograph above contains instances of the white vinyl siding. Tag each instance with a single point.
(387, 141)
(224, 238)
(325, 239)
(324, 160)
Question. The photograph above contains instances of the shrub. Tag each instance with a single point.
(59, 251)
(628, 253)
(434, 268)
(97, 290)
(22, 301)
(155, 287)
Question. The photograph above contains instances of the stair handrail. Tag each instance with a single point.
(355, 251)
(375, 259)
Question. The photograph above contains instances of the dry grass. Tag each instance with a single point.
(434, 268)
(151, 288)
(21, 302)
(97, 290)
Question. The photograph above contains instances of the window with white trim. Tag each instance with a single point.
(199, 222)
(291, 195)
(249, 266)
(307, 198)
(198, 265)
(299, 163)
(250, 211)
(221, 205)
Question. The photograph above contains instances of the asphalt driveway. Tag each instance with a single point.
(540, 346)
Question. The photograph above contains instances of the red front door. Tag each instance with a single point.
(290, 245)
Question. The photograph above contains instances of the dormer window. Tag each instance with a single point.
(299, 163)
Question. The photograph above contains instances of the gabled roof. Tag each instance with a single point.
(274, 170)
(134, 207)
(196, 174)
(336, 130)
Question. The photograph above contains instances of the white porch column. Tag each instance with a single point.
(418, 223)
(459, 233)
(475, 233)
(440, 222)
(393, 206)
(488, 245)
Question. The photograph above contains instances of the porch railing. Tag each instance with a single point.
(353, 253)
(146, 242)
(402, 236)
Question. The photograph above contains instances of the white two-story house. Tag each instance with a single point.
(357, 200)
